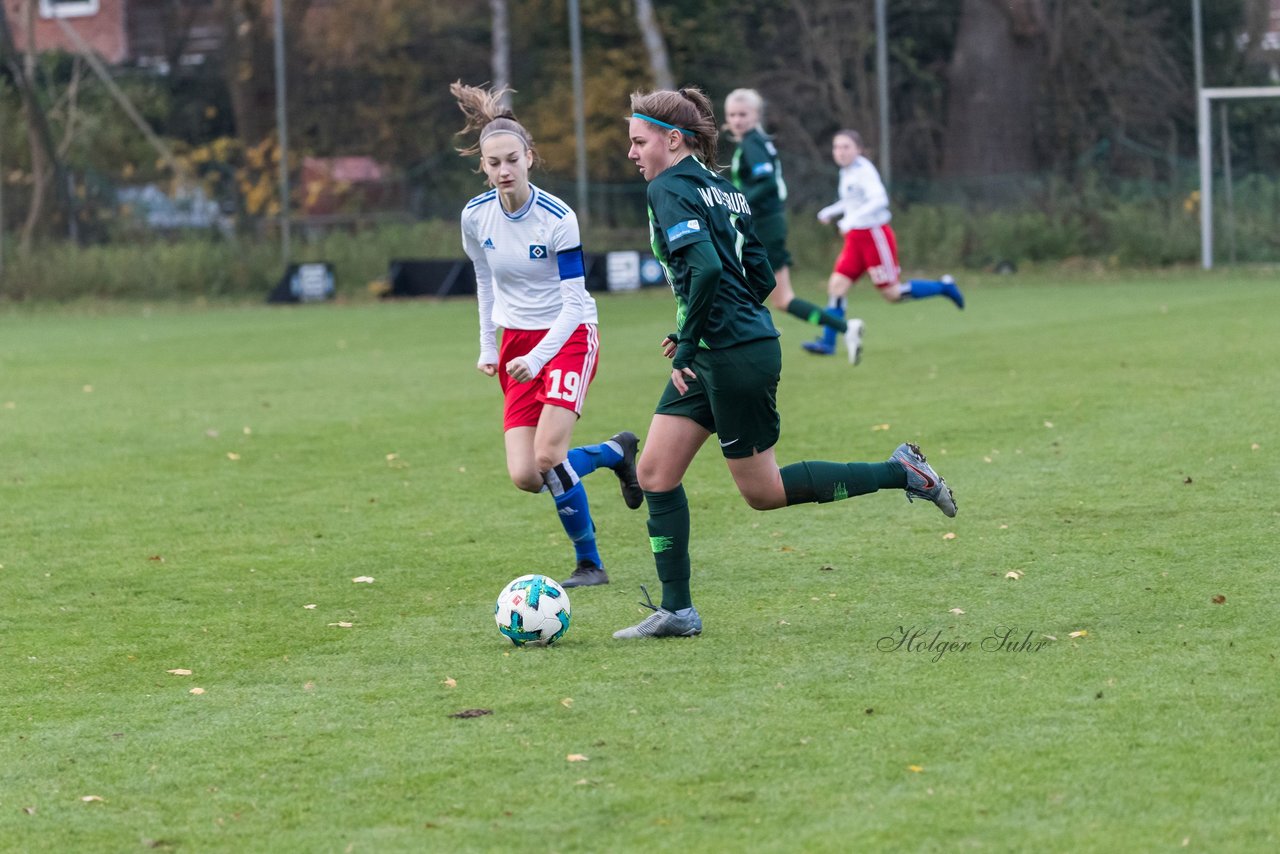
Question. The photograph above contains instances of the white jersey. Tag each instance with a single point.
(529, 271)
(864, 202)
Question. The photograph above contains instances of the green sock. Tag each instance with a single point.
(810, 313)
(669, 539)
(824, 482)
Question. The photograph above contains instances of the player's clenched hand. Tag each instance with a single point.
(518, 370)
(489, 369)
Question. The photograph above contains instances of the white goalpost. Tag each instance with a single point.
(1205, 98)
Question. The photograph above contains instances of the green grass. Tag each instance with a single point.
(1100, 434)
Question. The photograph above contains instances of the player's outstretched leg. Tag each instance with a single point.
(822, 482)
(922, 480)
(924, 288)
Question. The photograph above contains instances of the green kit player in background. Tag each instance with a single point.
(756, 170)
(725, 358)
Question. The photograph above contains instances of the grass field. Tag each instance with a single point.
(195, 487)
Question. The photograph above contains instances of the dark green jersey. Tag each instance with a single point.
(690, 204)
(757, 172)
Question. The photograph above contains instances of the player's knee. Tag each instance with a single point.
(544, 462)
(652, 478)
(527, 481)
(762, 500)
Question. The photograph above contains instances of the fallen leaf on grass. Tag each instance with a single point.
(232, 455)
(958, 611)
(179, 671)
(1186, 480)
(363, 579)
(29, 810)
(949, 535)
(93, 799)
(875, 428)
(196, 691)
(1255, 446)
(343, 624)
(158, 558)
(1014, 574)
(309, 607)
(567, 702)
(471, 713)
(1049, 424)
(1080, 634)
(450, 682)
(582, 782)
(88, 389)
(916, 769)
(576, 757)
(1219, 599)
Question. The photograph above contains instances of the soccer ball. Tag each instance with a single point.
(533, 610)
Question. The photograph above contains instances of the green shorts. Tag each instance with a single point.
(772, 232)
(735, 396)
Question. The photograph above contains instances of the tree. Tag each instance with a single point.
(655, 45)
(44, 153)
(996, 77)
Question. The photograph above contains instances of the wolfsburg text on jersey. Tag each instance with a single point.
(735, 202)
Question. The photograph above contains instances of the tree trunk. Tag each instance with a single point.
(501, 47)
(995, 83)
(654, 45)
(38, 135)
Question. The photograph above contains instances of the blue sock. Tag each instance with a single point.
(587, 458)
(572, 508)
(575, 516)
(836, 307)
(921, 288)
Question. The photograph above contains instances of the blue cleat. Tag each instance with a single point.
(951, 292)
(922, 480)
(819, 347)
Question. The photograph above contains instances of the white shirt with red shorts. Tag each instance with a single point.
(869, 244)
(530, 280)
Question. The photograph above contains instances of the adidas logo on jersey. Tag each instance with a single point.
(488, 243)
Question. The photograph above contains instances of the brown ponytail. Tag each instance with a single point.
(485, 113)
(688, 109)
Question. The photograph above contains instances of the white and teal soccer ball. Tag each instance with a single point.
(533, 610)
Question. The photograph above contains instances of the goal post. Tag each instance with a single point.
(1205, 133)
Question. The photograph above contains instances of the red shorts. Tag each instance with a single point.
(873, 251)
(562, 381)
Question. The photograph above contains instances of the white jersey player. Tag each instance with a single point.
(530, 282)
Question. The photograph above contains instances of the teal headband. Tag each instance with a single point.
(652, 120)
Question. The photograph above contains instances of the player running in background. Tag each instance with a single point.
(756, 170)
(725, 358)
(862, 215)
(527, 252)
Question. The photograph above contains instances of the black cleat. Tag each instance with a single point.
(586, 575)
(626, 468)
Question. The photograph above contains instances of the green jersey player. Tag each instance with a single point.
(725, 358)
(757, 171)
